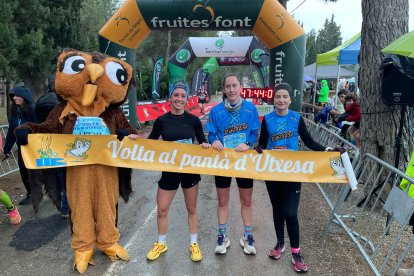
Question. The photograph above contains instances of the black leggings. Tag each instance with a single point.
(23, 172)
(285, 197)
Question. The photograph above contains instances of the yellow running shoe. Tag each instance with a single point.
(195, 250)
(155, 252)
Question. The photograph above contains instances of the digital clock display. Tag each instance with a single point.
(257, 93)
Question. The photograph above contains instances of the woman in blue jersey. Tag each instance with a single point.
(281, 130)
(234, 123)
(182, 127)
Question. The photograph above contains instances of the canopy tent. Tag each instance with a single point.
(328, 72)
(345, 54)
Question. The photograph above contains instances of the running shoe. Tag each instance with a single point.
(248, 245)
(155, 252)
(195, 250)
(14, 216)
(298, 264)
(277, 251)
(26, 201)
(222, 243)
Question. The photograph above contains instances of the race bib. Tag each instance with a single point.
(233, 140)
(185, 141)
(90, 126)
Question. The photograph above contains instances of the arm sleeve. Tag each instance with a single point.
(51, 125)
(307, 138)
(355, 116)
(254, 133)
(264, 135)
(201, 138)
(211, 128)
(10, 140)
(156, 130)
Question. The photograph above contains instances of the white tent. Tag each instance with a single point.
(329, 72)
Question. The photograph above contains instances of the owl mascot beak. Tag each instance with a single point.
(94, 72)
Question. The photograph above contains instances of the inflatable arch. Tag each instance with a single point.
(220, 50)
(267, 19)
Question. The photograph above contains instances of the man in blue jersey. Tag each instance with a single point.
(234, 123)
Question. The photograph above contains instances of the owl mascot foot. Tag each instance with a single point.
(82, 260)
(116, 252)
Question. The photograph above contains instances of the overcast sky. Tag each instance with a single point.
(347, 14)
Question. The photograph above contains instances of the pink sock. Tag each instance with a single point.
(295, 250)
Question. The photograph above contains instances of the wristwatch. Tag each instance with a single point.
(247, 143)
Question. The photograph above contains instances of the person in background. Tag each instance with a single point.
(42, 108)
(21, 112)
(280, 130)
(202, 99)
(12, 212)
(182, 127)
(339, 110)
(353, 114)
(323, 93)
(5, 200)
(234, 123)
(408, 188)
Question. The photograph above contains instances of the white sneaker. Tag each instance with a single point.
(222, 243)
(248, 245)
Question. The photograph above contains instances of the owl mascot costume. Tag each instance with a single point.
(91, 85)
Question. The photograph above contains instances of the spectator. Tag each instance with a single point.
(21, 112)
(12, 212)
(202, 99)
(323, 93)
(353, 114)
(43, 106)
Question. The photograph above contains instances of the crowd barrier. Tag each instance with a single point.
(376, 215)
(9, 165)
(151, 110)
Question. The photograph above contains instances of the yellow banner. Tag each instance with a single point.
(59, 150)
(275, 26)
(127, 26)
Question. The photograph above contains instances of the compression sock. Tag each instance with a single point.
(222, 229)
(193, 238)
(247, 230)
(162, 238)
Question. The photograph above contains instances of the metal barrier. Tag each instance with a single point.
(376, 215)
(9, 165)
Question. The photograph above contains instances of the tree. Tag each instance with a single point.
(8, 40)
(311, 47)
(379, 125)
(329, 36)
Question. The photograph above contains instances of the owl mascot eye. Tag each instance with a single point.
(92, 85)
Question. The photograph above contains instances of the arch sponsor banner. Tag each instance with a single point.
(220, 46)
(136, 18)
(63, 150)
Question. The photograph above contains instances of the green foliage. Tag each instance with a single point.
(32, 34)
(327, 38)
(8, 38)
(311, 47)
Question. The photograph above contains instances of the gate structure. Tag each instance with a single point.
(267, 19)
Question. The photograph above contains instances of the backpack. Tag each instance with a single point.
(44, 105)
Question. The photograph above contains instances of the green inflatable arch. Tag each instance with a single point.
(267, 19)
